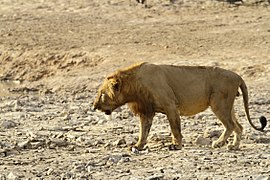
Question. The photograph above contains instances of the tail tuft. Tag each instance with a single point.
(263, 122)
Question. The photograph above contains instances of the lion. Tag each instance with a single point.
(176, 91)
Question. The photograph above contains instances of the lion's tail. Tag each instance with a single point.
(263, 120)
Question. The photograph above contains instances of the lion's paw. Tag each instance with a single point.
(232, 147)
(135, 149)
(218, 144)
(175, 147)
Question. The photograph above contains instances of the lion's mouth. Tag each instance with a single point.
(108, 112)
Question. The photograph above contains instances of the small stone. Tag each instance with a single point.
(7, 124)
(16, 103)
(79, 167)
(202, 141)
(31, 135)
(12, 176)
(102, 121)
(107, 145)
(135, 150)
(130, 141)
(137, 178)
(71, 137)
(119, 158)
(67, 175)
(125, 159)
(98, 142)
(25, 144)
(50, 171)
(33, 109)
(120, 142)
(36, 145)
(2, 145)
(71, 148)
(162, 170)
(209, 133)
(80, 139)
(7, 152)
(90, 150)
(155, 177)
(263, 178)
(67, 117)
(108, 117)
(53, 143)
(115, 158)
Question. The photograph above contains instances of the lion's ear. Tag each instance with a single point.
(110, 77)
(115, 82)
(116, 85)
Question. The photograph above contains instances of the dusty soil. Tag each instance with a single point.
(58, 52)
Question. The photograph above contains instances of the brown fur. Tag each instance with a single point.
(175, 90)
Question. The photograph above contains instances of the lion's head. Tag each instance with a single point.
(120, 88)
(109, 95)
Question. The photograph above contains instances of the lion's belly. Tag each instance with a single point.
(192, 108)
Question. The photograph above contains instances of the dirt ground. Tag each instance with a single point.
(55, 54)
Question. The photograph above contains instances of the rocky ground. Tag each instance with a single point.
(55, 54)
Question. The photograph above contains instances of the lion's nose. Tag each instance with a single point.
(95, 106)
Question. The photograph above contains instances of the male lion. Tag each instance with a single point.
(174, 91)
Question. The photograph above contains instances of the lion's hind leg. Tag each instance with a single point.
(221, 141)
(238, 129)
(222, 108)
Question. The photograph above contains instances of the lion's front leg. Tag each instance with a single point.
(145, 125)
(175, 124)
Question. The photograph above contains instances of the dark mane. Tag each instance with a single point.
(139, 100)
(143, 101)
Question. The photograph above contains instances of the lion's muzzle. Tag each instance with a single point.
(95, 106)
(108, 112)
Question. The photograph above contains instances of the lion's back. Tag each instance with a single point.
(185, 76)
(190, 87)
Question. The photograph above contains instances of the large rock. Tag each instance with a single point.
(210, 133)
(8, 124)
(202, 141)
